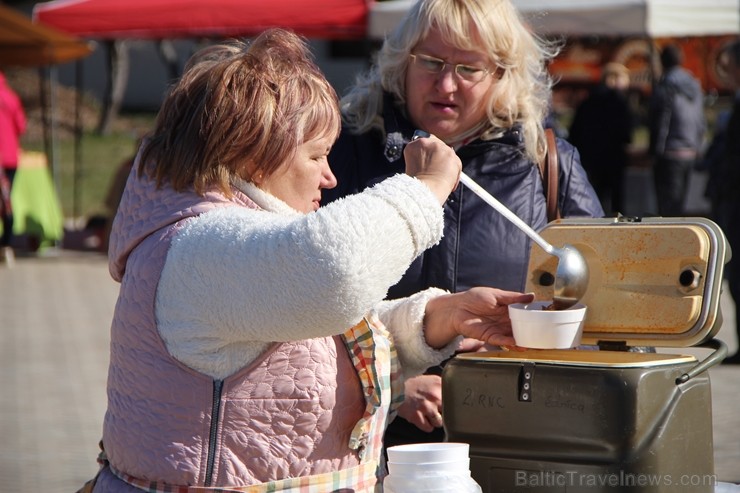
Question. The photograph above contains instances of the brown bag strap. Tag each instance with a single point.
(550, 174)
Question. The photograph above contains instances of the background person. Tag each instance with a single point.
(676, 123)
(249, 342)
(601, 130)
(473, 74)
(725, 181)
(115, 192)
(12, 126)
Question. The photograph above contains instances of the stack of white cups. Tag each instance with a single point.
(429, 467)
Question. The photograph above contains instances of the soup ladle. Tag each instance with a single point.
(571, 274)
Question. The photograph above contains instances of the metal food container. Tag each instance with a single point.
(604, 417)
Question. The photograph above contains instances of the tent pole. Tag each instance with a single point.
(46, 88)
(118, 69)
(78, 139)
(168, 54)
(44, 97)
(56, 174)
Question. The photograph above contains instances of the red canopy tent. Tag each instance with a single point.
(165, 19)
(112, 21)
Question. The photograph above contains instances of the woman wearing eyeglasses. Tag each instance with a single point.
(473, 74)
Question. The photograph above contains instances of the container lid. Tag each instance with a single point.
(653, 281)
(423, 453)
(601, 359)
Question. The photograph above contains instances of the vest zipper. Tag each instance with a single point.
(215, 412)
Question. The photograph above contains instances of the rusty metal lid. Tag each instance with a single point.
(653, 281)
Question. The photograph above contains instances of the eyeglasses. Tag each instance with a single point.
(434, 65)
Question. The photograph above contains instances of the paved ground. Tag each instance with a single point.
(55, 313)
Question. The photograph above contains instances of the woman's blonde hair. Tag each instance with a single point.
(521, 94)
(240, 109)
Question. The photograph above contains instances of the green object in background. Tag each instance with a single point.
(36, 209)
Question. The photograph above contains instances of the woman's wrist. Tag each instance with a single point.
(438, 327)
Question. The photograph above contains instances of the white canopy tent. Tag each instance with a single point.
(649, 18)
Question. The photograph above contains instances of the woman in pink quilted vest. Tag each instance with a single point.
(250, 347)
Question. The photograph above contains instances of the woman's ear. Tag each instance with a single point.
(253, 173)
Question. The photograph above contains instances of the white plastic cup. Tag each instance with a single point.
(430, 467)
(534, 327)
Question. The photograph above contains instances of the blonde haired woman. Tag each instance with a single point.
(472, 73)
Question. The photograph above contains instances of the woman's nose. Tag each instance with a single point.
(447, 79)
(328, 179)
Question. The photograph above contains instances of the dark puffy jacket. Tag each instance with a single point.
(676, 117)
(480, 247)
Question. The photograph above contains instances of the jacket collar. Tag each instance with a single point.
(398, 132)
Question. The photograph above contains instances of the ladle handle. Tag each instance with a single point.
(493, 202)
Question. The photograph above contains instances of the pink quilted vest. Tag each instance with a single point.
(278, 417)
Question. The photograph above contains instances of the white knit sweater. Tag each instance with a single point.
(237, 279)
